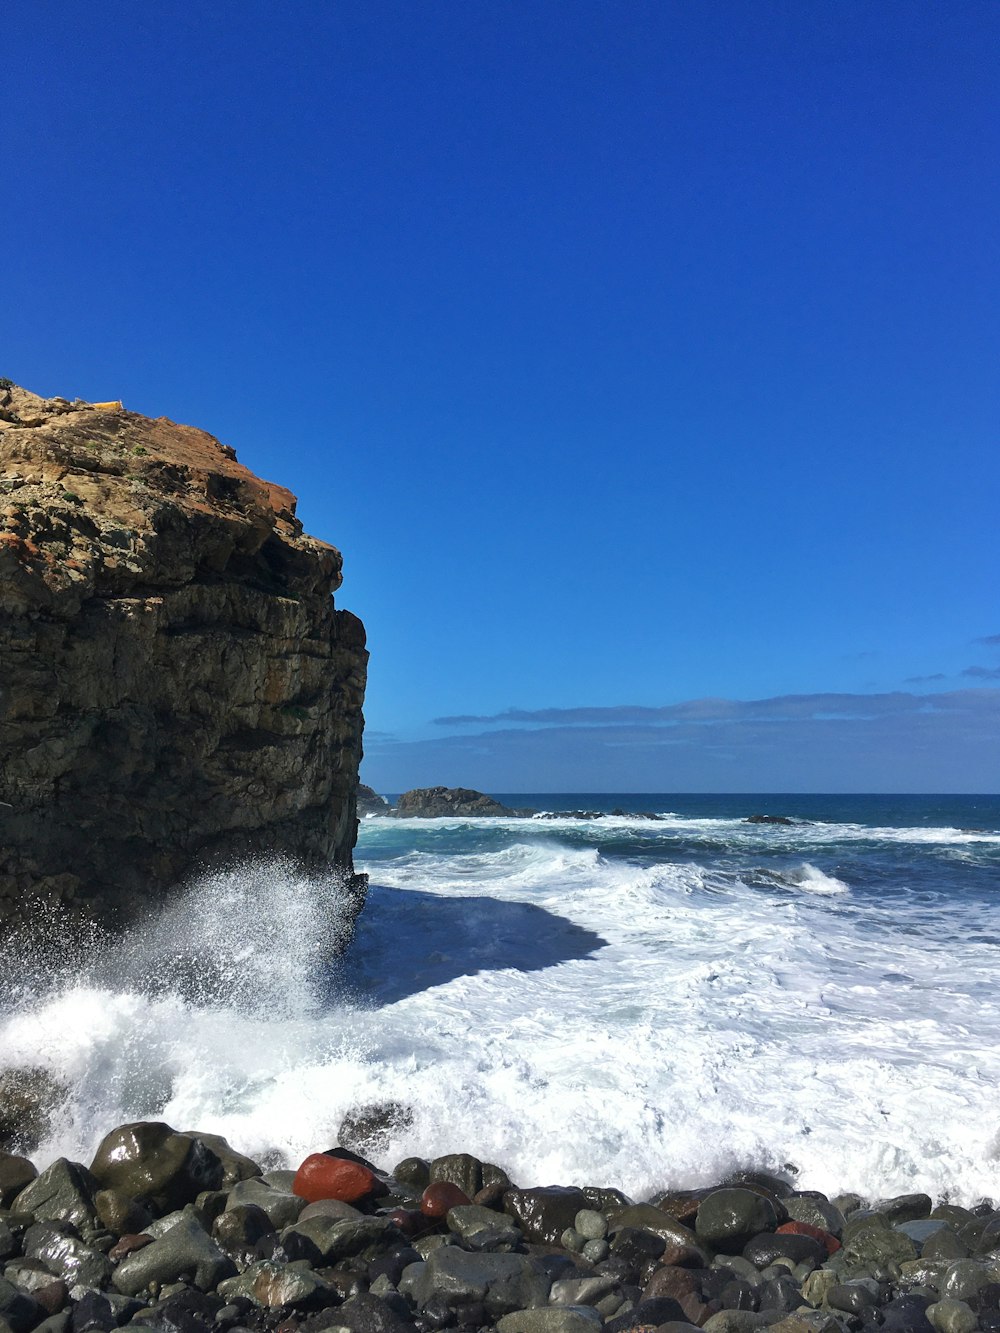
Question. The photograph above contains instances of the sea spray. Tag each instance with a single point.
(621, 1001)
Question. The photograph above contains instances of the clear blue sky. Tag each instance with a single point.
(633, 353)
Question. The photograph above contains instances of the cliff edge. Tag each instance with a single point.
(176, 687)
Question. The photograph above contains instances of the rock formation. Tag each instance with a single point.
(176, 687)
(438, 802)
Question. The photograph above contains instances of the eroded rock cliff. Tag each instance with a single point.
(176, 687)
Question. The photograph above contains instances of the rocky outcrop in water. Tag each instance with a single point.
(177, 687)
(440, 802)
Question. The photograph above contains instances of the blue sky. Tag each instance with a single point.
(632, 353)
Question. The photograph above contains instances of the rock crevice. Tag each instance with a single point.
(177, 686)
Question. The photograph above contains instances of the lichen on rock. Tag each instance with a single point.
(177, 687)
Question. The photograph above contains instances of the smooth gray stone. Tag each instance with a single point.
(283, 1208)
(921, 1230)
(581, 1290)
(503, 1282)
(21, 1311)
(554, 1319)
(482, 1227)
(341, 1238)
(951, 1316)
(279, 1180)
(591, 1224)
(64, 1192)
(67, 1257)
(269, 1284)
(817, 1212)
(329, 1208)
(964, 1278)
(186, 1251)
(735, 1321)
(595, 1250)
(728, 1218)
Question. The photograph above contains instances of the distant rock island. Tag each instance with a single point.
(435, 802)
(178, 689)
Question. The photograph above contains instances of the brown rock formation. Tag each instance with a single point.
(440, 802)
(176, 687)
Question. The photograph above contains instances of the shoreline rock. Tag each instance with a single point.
(453, 1243)
(179, 690)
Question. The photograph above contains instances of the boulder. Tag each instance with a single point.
(179, 690)
(63, 1192)
(371, 803)
(728, 1218)
(545, 1212)
(149, 1159)
(16, 1173)
(185, 1252)
(445, 802)
(453, 1278)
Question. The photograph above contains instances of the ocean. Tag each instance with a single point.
(611, 1000)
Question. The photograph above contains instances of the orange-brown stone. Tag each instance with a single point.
(439, 1197)
(807, 1229)
(323, 1177)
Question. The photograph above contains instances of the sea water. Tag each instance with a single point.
(615, 1000)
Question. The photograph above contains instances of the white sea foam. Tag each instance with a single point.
(574, 1017)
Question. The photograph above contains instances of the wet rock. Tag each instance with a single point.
(120, 1214)
(16, 1173)
(652, 1313)
(763, 1250)
(236, 1166)
(149, 1159)
(364, 1312)
(595, 1251)
(952, 1316)
(27, 1099)
(648, 1218)
(93, 1312)
(870, 1243)
(414, 1172)
(636, 1246)
(672, 1282)
(439, 1198)
(808, 1321)
(482, 1228)
(853, 1297)
(581, 1290)
(590, 1224)
(768, 819)
(322, 1176)
(779, 1293)
(63, 1192)
(568, 1319)
(342, 1238)
(369, 1128)
(735, 1321)
(281, 1207)
(455, 1278)
(20, 1311)
(907, 1314)
(964, 1278)
(66, 1256)
(829, 1242)
(238, 1229)
(459, 1169)
(728, 1218)
(906, 1207)
(128, 1245)
(544, 1213)
(272, 1285)
(815, 1210)
(186, 1251)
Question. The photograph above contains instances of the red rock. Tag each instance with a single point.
(127, 1244)
(807, 1229)
(439, 1197)
(53, 1296)
(323, 1177)
(671, 1280)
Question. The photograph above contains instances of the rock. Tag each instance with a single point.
(20, 1311)
(735, 1321)
(439, 1198)
(335, 1238)
(869, 1243)
(951, 1316)
(591, 1225)
(459, 1169)
(815, 1210)
(185, 1252)
(942, 1244)
(16, 1174)
(27, 1096)
(647, 1218)
(482, 1228)
(414, 1172)
(371, 803)
(150, 1159)
(764, 1249)
(282, 1207)
(238, 1229)
(323, 1177)
(964, 1278)
(370, 1127)
(178, 688)
(120, 1214)
(808, 1321)
(647, 1314)
(128, 1245)
(728, 1218)
(544, 1213)
(444, 802)
(64, 1192)
(829, 1242)
(567, 1319)
(270, 1284)
(66, 1256)
(581, 1290)
(236, 1166)
(852, 1297)
(906, 1207)
(362, 1313)
(502, 1283)
(768, 819)
(595, 1251)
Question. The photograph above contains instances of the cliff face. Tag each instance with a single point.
(176, 688)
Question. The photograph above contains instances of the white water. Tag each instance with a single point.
(574, 1018)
